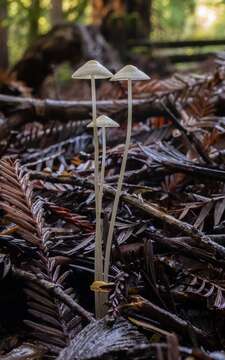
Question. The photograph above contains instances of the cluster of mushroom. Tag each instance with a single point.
(93, 70)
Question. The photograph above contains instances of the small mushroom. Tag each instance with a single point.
(128, 73)
(103, 122)
(93, 70)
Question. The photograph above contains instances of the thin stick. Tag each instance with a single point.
(119, 185)
(56, 290)
(192, 139)
(199, 237)
(98, 243)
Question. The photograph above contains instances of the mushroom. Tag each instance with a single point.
(93, 70)
(103, 122)
(127, 73)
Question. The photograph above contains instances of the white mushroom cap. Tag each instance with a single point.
(90, 69)
(104, 121)
(130, 72)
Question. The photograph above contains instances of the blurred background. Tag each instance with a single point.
(162, 36)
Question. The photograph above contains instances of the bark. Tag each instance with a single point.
(100, 8)
(65, 42)
(20, 110)
(34, 15)
(122, 19)
(4, 61)
(56, 12)
(143, 9)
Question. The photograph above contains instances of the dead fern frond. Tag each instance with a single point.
(48, 315)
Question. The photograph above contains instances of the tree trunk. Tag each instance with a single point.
(101, 8)
(34, 15)
(143, 9)
(56, 12)
(122, 19)
(4, 61)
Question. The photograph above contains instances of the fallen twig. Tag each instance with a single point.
(189, 230)
(56, 290)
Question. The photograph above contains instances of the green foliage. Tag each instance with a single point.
(77, 12)
(189, 19)
(26, 22)
(171, 20)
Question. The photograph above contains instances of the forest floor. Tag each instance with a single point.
(166, 297)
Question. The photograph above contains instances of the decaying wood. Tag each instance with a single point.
(65, 42)
(68, 109)
(152, 99)
(20, 110)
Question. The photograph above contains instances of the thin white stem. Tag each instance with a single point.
(119, 185)
(98, 241)
(103, 164)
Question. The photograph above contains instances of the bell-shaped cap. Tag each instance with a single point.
(130, 72)
(104, 121)
(91, 69)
